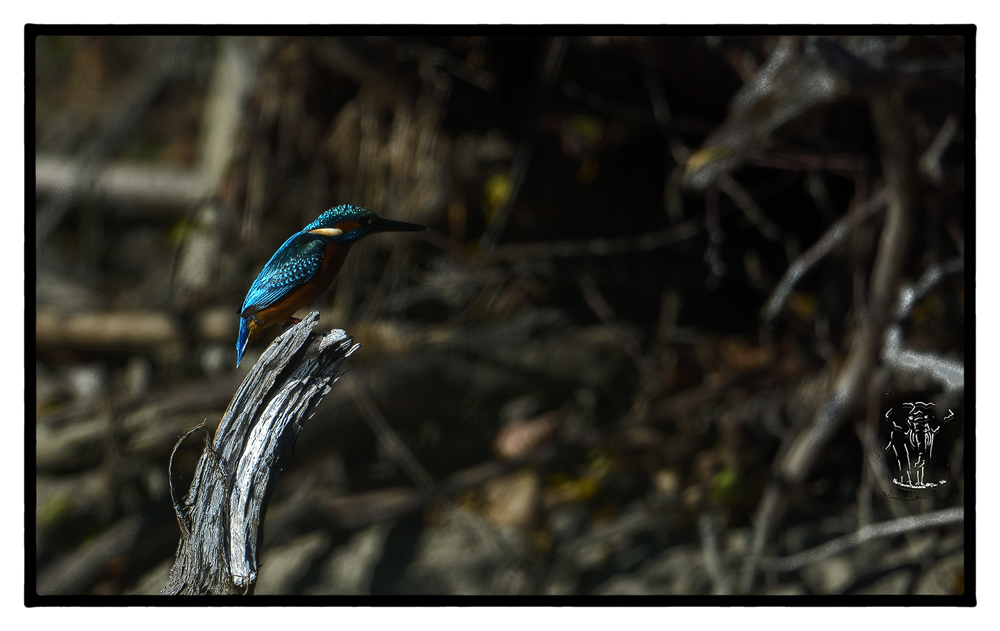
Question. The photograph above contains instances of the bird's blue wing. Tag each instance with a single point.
(294, 263)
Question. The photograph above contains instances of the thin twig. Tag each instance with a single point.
(178, 508)
(867, 533)
(710, 551)
(750, 208)
(388, 438)
(672, 198)
(603, 310)
(910, 295)
(950, 373)
(519, 166)
(823, 246)
(810, 162)
(661, 110)
(598, 247)
(930, 162)
(716, 237)
(802, 449)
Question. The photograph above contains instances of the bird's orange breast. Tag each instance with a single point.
(307, 291)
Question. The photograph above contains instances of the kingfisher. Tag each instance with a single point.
(305, 266)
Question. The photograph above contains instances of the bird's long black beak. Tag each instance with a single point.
(388, 225)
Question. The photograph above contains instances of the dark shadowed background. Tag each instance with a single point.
(666, 334)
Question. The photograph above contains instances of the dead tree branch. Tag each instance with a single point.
(224, 508)
(802, 449)
(949, 373)
(126, 330)
(161, 65)
(830, 239)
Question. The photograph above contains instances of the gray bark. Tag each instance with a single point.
(221, 518)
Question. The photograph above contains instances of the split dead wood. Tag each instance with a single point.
(221, 518)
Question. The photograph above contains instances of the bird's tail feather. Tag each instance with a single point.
(242, 340)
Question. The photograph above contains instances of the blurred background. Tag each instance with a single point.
(665, 335)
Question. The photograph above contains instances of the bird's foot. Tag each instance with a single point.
(290, 321)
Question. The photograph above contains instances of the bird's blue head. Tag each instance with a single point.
(346, 224)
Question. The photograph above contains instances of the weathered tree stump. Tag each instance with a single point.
(221, 518)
